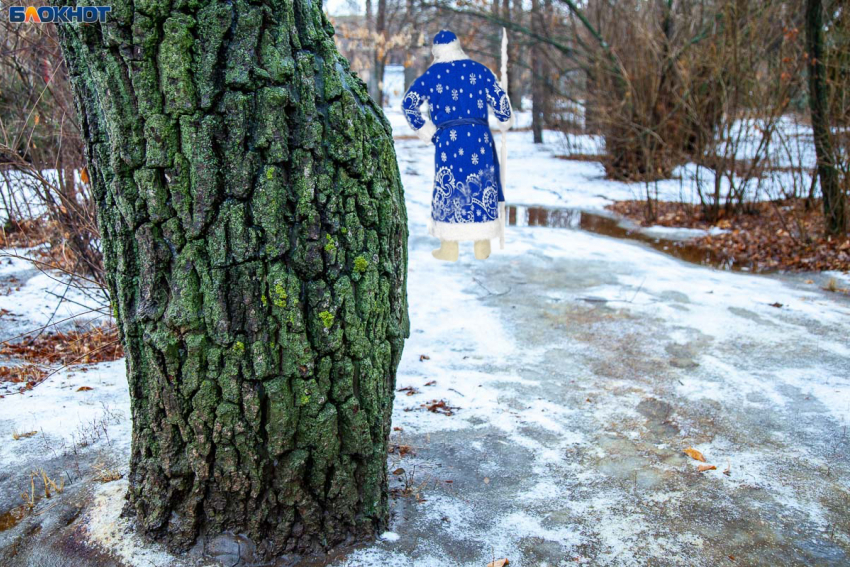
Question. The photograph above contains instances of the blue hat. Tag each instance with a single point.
(444, 37)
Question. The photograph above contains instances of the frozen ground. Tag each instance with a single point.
(581, 367)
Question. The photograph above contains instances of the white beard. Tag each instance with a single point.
(445, 52)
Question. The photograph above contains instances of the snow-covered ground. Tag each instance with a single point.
(581, 367)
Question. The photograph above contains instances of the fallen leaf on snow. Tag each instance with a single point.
(486, 480)
(694, 454)
(402, 450)
(440, 406)
(498, 563)
(84, 389)
(424, 357)
(703, 468)
(398, 471)
(431, 383)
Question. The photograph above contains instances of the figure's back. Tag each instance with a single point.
(458, 89)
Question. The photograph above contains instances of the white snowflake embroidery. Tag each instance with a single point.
(439, 88)
(480, 103)
(453, 135)
(454, 94)
(482, 150)
(460, 151)
(443, 156)
(448, 109)
(486, 138)
(472, 78)
(474, 159)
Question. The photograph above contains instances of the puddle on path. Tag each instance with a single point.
(599, 224)
(12, 518)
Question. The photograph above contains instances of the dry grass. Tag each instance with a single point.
(106, 474)
(17, 435)
(41, 485)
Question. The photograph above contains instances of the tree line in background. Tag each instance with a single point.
(734, 86)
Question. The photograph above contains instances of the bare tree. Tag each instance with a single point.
(834, 206)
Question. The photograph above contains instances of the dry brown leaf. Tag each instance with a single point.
(499, 563)
(424, 357)
(694, 454)
(27, 435)
(440, 406)
(398, 471)
(703, 468)
(84, 175)
(84, 389)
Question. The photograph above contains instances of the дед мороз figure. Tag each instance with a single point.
(468, 200)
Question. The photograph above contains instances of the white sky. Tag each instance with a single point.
(344, 7)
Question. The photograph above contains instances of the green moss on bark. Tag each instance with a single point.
(255, 241)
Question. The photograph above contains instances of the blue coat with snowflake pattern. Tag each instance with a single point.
(467, 189)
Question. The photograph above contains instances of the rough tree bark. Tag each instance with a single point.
(835, 219)
(255, 243)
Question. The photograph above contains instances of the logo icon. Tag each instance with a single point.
(58, 14)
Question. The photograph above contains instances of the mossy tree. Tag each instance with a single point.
(255, 242)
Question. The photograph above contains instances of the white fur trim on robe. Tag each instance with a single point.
(464, 231)
(446, 52)
(427, 131)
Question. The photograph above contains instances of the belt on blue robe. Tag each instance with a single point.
(462, 122)
(480, 122)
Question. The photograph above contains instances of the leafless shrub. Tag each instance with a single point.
(42, 165)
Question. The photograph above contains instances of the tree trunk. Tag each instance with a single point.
(833, 198)
(514, 90)
(255, 244)
(537, 78)
(380, 53)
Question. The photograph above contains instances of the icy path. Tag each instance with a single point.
(580, 367)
